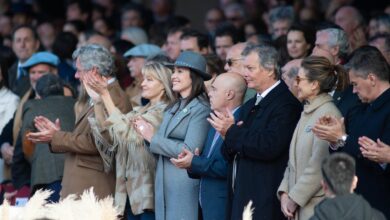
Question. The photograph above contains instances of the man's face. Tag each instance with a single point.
(361, 87)
(24, 44)
(131, 18)
(135, 66)
(222, 45)
(173, 45)
(322, 48)
(213, 19)
(217, 95)
(37, 72)
(80, 71)
(280, 28)
(234, 61)
(254, 74)
(347, 20)
(189, 44)
(381, 45)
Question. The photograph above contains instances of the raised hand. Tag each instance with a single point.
(221, 121)
(144, 128)
(46, 130)
(329, 128)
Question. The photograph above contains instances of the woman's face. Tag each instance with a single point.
(152, 88)
(306, 90)
(181, 81)
(296, 45)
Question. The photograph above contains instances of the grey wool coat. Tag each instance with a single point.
(177, 195)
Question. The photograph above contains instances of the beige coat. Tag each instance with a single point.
(83, 163)
(302, 178)
(135, 166)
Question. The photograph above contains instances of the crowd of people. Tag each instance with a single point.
(283, 103)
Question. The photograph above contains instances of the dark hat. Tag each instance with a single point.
(194, 61)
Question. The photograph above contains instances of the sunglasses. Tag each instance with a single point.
(231, 61)
(299, 79)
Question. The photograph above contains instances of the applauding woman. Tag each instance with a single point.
(184, 126)
(300, 189)
(135, 165)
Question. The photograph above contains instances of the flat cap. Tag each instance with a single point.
(143, 50)
(41, 57)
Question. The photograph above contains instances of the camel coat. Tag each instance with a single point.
(83, 163)
(302, 178)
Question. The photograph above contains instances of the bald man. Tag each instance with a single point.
(226, 95)
(289, 73)
(234, 65)
(352, 22)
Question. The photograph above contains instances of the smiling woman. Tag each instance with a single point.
(184, 126)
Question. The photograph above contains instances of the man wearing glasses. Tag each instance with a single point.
(234, 64)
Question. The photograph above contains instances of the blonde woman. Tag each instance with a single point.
(135, 165)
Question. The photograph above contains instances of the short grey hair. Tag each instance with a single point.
(281, 13)
(94, 55)
(268, 57)
(338, 37)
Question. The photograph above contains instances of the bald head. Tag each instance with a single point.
(234, 59)
(227, 91)
(289, 73)
(348, 18)
(101, 40)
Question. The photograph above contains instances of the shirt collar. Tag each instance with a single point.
(265, 93)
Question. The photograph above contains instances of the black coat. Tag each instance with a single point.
(18, 86)
(371, 120)
(261, 146)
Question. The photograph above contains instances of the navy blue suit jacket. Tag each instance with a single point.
(371, 120)
(213, 173)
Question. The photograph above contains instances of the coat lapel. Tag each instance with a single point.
(209, 141)
(179, 116)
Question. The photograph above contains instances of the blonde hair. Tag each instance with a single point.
(162, 74)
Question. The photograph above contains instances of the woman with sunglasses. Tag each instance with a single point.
(184, 125)
(300, 189)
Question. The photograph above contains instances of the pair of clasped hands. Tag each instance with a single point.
(221, 121)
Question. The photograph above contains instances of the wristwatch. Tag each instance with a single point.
(341, 142)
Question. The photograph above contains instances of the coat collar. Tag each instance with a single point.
(180, 114)
(317, 102)
(381, 100)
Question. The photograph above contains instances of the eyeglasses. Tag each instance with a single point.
(231, 61)
(299, 79)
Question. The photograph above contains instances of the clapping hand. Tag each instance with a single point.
(184, 159)
(375, 151)
(95, 85)
(144, 128)
(329, 128)
(221, 121)
(46, 130)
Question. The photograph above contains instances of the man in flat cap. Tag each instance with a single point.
(137, 57)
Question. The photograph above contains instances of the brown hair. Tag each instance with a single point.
(320, 69)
